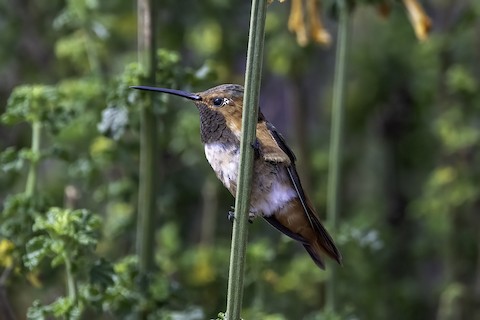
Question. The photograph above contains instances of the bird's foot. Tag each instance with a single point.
(231, 215)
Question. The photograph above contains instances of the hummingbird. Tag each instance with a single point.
(277, 194)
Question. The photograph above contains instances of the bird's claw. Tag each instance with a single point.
(231, 215)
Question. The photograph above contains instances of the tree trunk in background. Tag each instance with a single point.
(148, 150)
(396, 125)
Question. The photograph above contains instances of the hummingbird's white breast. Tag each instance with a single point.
(224, 160)
(271, 187)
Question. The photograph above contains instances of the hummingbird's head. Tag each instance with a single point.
(220, 108)
(223, 98)
(222, 104)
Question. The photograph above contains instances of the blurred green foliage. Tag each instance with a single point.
(409, 221)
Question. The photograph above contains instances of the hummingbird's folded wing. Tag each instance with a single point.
(292, 171)
(272, 151)
(325, 240)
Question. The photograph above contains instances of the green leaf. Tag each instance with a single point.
(61, 308)
(10, 160)
(30, 103)
(37, 311)
(102, 273)
(37, 249)
(63, 232)
(17, 218)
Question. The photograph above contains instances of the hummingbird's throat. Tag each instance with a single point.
(213, 126)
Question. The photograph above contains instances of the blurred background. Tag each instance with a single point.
(409, 221)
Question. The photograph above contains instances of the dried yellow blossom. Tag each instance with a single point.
(318, 32)
(420, 21)
(296, 22)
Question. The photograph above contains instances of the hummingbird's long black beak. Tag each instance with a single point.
(179, 93)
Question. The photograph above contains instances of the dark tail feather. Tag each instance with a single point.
(315, 256)
(321, 246)
(324, 242)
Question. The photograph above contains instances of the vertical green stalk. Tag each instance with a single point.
(71, 284)
(249, 123)
(148, 147)
(32, 171)
(335, 160)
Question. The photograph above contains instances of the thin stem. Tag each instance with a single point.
(335, 160)
(32, 172)
(249, 121)
(148, 146)
(71, 283)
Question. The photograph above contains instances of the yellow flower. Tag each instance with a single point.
(420, 21)
(6, 247)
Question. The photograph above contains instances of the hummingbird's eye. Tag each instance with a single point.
(218, 102)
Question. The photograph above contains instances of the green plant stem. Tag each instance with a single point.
(249, 122)
(335, 160)
(32, 172)
(71, 283)
(148, 146)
